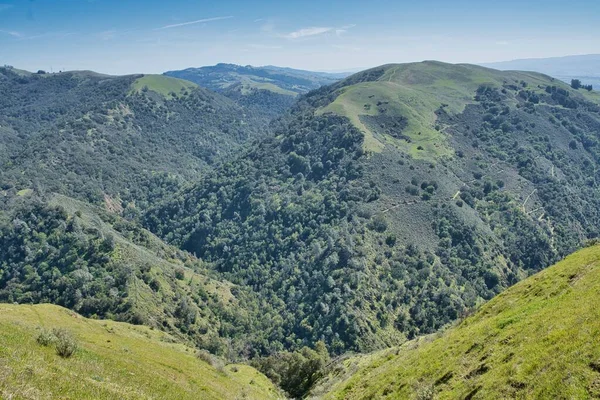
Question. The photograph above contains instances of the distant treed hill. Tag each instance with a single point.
(390, 203)
(285, 81)
(268, 90)
(132, 138)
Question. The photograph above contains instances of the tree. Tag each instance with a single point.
(575, 83)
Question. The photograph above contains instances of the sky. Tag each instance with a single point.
(153, 36)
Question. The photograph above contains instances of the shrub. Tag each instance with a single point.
(210, 359)
(66, 345)
(179, 273)
(573, 144)
(378, 224)
(46, 337)
(425, 392)
(390, 240)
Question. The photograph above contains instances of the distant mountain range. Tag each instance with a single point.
(245, 79)
(583, 67)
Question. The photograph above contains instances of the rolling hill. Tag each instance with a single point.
(130, 138)
(583, 67)
(388, 204)
(114, 360)
(245, 79)
(538, 339)
(269, 91)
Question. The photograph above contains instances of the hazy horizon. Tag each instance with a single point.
(116, 37)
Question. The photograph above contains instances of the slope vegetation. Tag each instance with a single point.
(538, 339)
(133, 138)
(63, 251)
(168, 87)
(480, 179)
(114, 360)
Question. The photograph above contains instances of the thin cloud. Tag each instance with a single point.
(267, 27)
(12, 33)
(264, 47)
(58, 35)
(199, 21)
(312, 31)
(108, 35)
(346, 48)
(344, 29)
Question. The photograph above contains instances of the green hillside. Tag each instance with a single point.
(113, 360)
(167, 86)
(539, 339)
(413, 93)
(268, 91)
(67, 252)
(246, 79)
(364, 249)
(304, 244)
(88, 135)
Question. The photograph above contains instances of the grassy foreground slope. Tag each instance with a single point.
(538, 339)
(114, 360)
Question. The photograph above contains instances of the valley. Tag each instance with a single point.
(332, 235)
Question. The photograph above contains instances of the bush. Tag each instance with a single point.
(66, 344)
(210, 359)
(46, 337)
(378, 224)
(180, 273)
(295, 372)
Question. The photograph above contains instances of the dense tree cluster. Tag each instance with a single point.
(48, 258)
(576, 84)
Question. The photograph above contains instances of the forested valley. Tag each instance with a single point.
(287, 232)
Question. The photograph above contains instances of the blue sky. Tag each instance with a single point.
(152, 36)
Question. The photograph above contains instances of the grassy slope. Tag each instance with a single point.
(163, 85)
(248, 84)
(115, 360)
(538, 339)
(415, 91)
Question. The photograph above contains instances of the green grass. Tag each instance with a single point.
(539, 339)
(248, 84)
(415, 91)
(114, 361)
(24, 192)
(163, 85)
